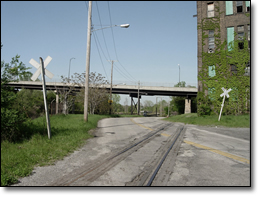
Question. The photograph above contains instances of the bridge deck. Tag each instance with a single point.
(116, 89)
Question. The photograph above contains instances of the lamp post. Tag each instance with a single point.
(88, 58)
(69, 67)
(179, 75)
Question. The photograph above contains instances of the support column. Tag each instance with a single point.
(187, 106)
(65, 105)
(57, 102)
(131, 105)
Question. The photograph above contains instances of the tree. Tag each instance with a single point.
(116, 106)
(148, 105)
(180, 84)
(96, 93)
(11, 119)
(98, 96)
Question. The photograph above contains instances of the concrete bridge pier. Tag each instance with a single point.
(187, 106)
(132, 95)
(57, 101)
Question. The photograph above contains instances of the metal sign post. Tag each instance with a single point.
(41, 70)
(225, 93)
(45, 99)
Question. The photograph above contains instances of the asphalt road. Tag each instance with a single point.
(206, 156)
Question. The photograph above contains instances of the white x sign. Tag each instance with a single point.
(225, 92)
(38, 66)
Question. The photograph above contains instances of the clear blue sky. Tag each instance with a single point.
(162, 34)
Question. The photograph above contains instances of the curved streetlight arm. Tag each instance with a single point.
(122, 26)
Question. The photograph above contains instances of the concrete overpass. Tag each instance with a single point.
(131, 90)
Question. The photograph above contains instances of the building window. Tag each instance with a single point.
(233, 69)
(239, 6)
(212, 72)
(211, 93)
(240, 34)
(248, 6)
(247, 69)
(211, 40)
(230, 37)
(229, 7)
(210, 10)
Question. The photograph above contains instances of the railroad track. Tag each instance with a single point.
(86, 175)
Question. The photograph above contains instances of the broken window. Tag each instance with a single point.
(212, 71)
(211, 40)
(210, 10)
(247, 69)
(240, 34)
(239, 6)
(248, 6)
(233, 69)
(230, 37)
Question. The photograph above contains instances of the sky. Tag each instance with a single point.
(162, 34)
(160, 37)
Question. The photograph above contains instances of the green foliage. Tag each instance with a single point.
(180, 84)
(68, 133)
(116, 106)
(178, 104)
(11, 118)
(209, 99)
(242, 121)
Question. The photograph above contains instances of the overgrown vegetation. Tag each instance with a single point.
(11, 118)
(225, 55)
(226, 121)
(35, 149)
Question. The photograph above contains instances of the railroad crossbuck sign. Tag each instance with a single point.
(38, 66)
(225, 93)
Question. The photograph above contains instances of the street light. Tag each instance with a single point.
(88, 58)
(179, 75)
(69, 67)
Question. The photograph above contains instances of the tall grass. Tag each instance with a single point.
(227, 120)
(67, 134)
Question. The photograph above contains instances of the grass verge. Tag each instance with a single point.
(226, 121)
(67, 134)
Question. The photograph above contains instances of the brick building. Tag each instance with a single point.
(230, 21)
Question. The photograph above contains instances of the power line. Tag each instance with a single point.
(98, 45)
(100, 57)
(114, 43)
(123, 74)
(102, 30)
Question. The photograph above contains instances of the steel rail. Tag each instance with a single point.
(165, 155)
(118, 154)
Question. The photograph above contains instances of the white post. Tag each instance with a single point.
(45, 100)
(221, 108)
(225, 93)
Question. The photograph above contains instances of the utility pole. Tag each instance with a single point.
(87, 63)
(111, 88)
(168, 108)
(161, 107)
